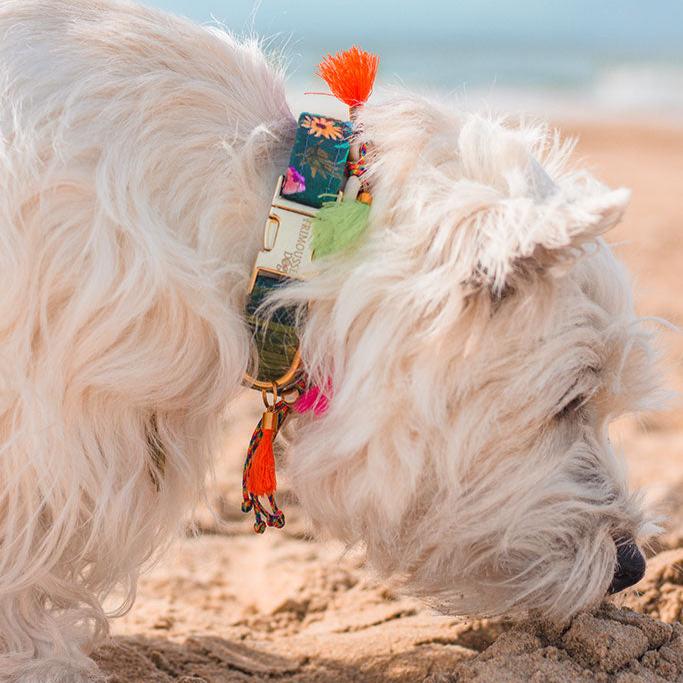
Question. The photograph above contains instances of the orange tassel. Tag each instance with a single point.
(350, 75)
(261, 479)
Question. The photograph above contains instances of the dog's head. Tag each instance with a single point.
(479, 341)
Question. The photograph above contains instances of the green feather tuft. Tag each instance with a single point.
(337, 226)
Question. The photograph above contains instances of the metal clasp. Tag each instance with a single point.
(287, 237)
(286, 253)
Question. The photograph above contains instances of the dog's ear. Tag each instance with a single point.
(521, 234)
(483, 199)
(523, 210)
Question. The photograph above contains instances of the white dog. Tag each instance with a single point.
(479, 339)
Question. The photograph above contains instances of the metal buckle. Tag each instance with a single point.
(287, 238)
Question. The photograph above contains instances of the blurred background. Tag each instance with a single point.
(554, 57)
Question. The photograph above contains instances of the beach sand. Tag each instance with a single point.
(228, 605)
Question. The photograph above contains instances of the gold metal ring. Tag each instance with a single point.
(264, 395)
(291, 396)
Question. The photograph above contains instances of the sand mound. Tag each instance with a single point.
(610, 645)
(660, 593)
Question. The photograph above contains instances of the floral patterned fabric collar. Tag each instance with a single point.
(318, 161)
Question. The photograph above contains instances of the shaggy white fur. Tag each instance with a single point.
(479, 340)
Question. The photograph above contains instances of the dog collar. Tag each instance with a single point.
(307, 218)
(316, 174)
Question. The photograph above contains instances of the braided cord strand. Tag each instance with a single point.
(263, 517)
(357, 167)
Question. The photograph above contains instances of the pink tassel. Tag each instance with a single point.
(313, 399)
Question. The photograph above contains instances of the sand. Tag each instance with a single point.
(227, 605)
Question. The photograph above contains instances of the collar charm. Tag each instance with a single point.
(320, 207)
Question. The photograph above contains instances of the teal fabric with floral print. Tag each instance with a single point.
(318, 160)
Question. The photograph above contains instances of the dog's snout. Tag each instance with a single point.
(630, 566)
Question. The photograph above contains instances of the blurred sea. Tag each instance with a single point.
(558, 58)
(570, 83)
